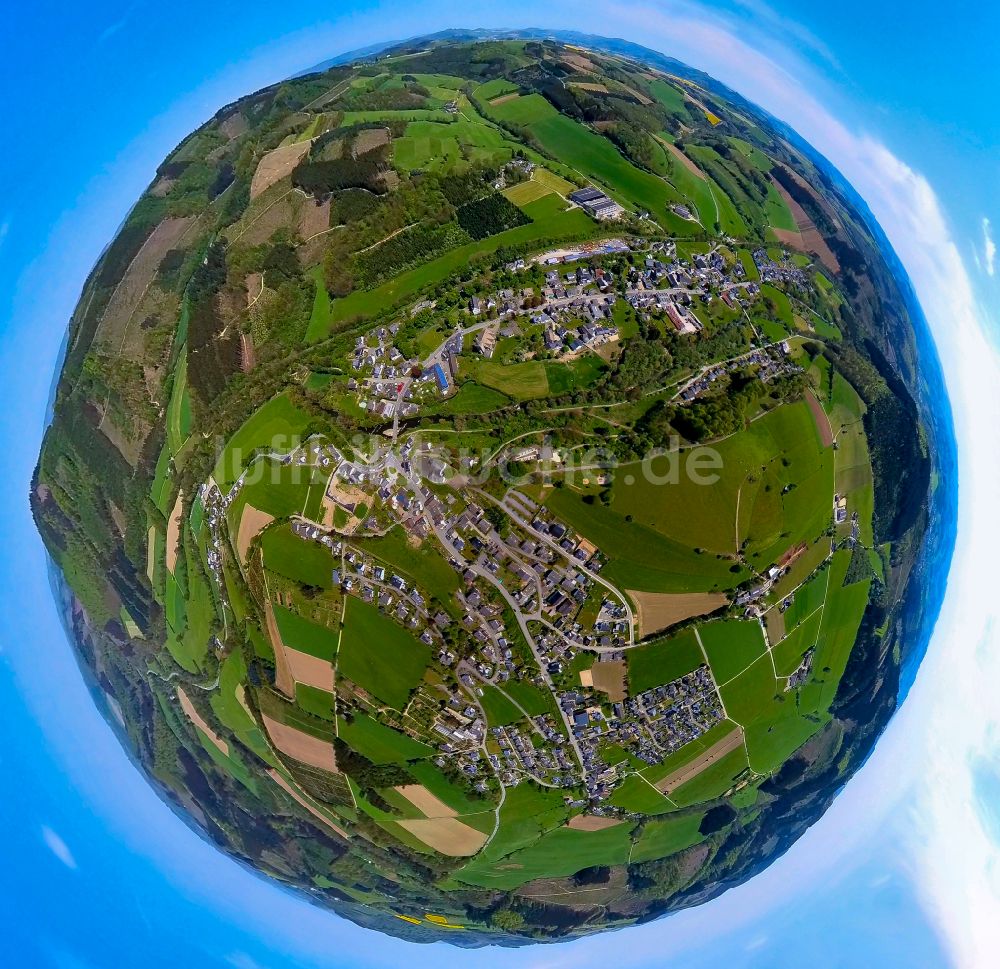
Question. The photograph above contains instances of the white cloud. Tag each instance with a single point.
(58, 847)
(989, 247)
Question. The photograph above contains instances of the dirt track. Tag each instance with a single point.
(196, 718)
(716, 752)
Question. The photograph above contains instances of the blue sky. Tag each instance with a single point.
(901, 872)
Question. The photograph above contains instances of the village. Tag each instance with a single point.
(573, 311)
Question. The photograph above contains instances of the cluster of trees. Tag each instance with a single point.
(353, 205)
(322, 177)
(460, 189)
(405, 250)
(900, 463)
(639, 367)
(368, 776)
(490, 215)
(122, 383)
(212, 357)
(726, 411)
(410, 97)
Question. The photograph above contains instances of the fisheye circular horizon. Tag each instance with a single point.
(493, 481)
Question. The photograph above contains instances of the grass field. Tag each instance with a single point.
(777, 212)
(290, 556)
(662, 661)
(542, 182)
(533, 700)
(528, 811)
(698, 192)
(305, 636)
(789, 651)
(679, 758)
(564, 378)
(417, 114)
(231, 712)
(522, 381)
(662, 838)
(495, 89)
(380, 656)
(668, 96)
(556, 854)
(279, 424)
(315, 701)
(775, 472)
(473, 398)
(499, 710)
(281, 490)
(527, 191)
(434, 146)
(319, 321)
(457, 798)
(808, 598)
(642, 558)
(713, 781)
(160, 492)
(422, 566)
(179, 407)
(778, 452)
(550, 220)
(845, 606)
(594, 156)
(637, 794)
(379, 743)
(732, 645)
